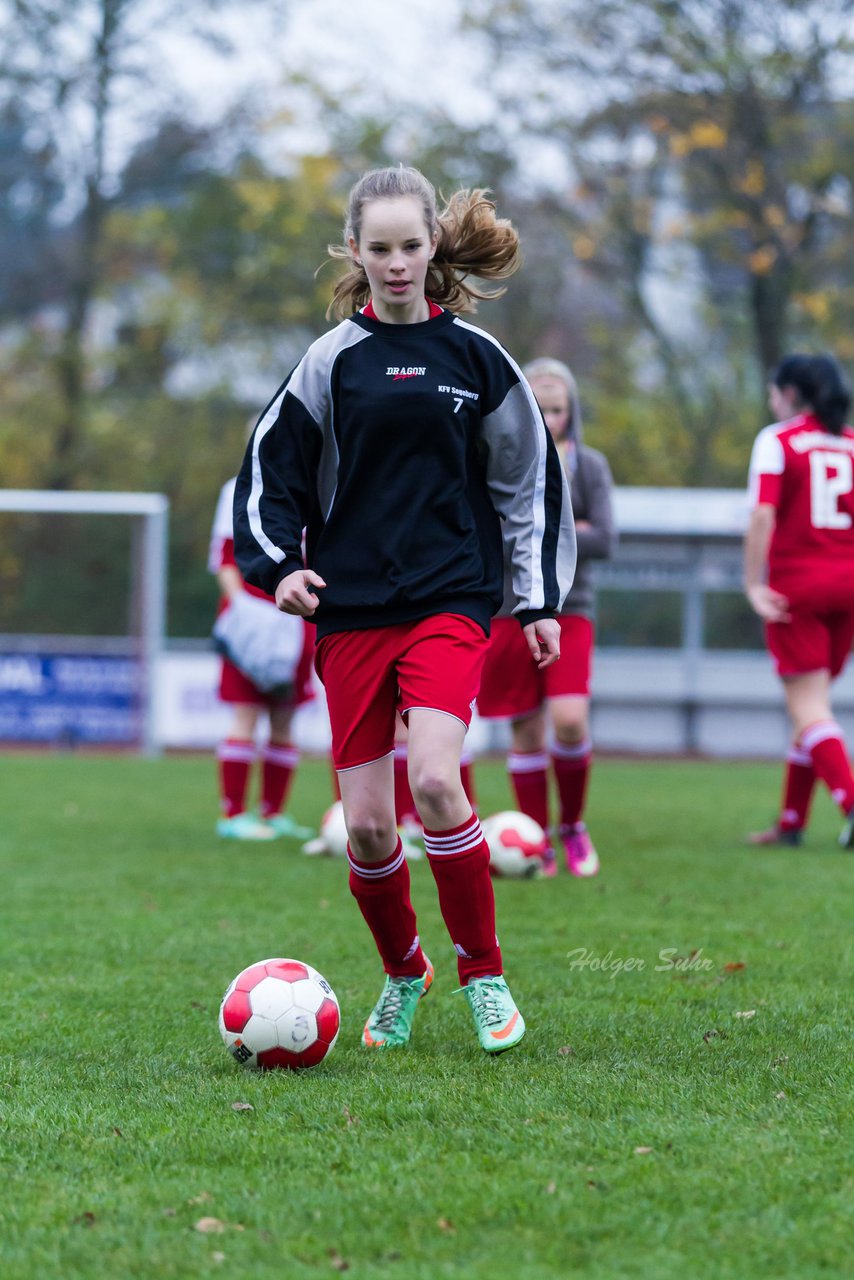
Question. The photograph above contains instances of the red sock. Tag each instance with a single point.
(278, 761)
(830, 761)
(529, 777)
(382, 892)
(459, 860)
(235, 756)
(404, 804)
(467, 779)
(571, 766)
(798, 786)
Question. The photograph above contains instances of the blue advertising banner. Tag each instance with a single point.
(70, 699)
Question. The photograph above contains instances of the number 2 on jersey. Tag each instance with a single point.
(831, 478)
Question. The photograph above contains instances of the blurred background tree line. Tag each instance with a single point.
(680, 173)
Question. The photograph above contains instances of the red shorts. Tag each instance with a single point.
(811, 641)
(236, 687)
(512, 686)
(370, 675)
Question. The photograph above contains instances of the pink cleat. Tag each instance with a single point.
(549, 863)
(581, 856)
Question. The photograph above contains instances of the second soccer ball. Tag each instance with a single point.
(517, 845)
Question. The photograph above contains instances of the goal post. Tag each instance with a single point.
(149, 514)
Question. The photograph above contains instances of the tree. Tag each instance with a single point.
(710, 141)
(73, 72)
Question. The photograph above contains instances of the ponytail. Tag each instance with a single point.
(820, 386)
(831, 397)
(471, 241)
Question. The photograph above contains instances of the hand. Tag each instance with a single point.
(543, 639)
(583, 525)
(293, 594)
(769, 604)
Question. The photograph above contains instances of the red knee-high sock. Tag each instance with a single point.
(278, 761)
(459, 860)
(382, 892)
(467, 779)
(798, 787)
(572, 771)
(404, 804)
(826, 745)
(235, 756)
(529, 777)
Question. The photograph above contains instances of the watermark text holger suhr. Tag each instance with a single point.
(669, 961)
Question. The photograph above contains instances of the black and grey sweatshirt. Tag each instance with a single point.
(414, 455)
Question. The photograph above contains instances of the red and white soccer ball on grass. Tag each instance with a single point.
(517, 845)
(279, 1013)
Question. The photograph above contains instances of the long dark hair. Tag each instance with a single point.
(820, 385)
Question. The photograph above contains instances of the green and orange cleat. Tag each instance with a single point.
(500, 1025)
(390, 1023)
(284, 825)
(244, 826)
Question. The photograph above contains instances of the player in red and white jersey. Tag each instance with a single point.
(278, 758)
(799, 574)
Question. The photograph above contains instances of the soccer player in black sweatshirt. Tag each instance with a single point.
(410, 447)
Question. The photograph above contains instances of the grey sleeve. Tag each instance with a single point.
(599, 541)
(529, 491)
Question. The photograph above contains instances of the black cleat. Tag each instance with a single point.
(846, 835)
(787, 838)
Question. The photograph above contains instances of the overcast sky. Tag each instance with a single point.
(378, 51)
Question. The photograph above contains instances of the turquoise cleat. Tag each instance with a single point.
(499, 1023)
(390, 1023)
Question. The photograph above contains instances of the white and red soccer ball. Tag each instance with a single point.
(517, 845)
(279, 1013)
(331, 841)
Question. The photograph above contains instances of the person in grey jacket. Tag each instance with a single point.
(557, 698)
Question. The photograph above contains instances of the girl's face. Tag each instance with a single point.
(784, 402)
(553, 398)
(395, 249)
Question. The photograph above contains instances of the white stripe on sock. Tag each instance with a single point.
(527, 762)
(564, 751)
(457, 842)
(288, 757)
(824, 731)
(367, 872)
(235, 751)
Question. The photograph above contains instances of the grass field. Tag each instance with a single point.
(662, 1119)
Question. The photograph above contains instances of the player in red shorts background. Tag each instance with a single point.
(410, 446)
(236, 754)
(799, 574)
(556, 699)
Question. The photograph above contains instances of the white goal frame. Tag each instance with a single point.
(152, 511)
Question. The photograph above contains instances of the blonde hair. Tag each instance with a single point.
(472, 241)
(548, 367)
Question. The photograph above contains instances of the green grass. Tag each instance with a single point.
(123, 919)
